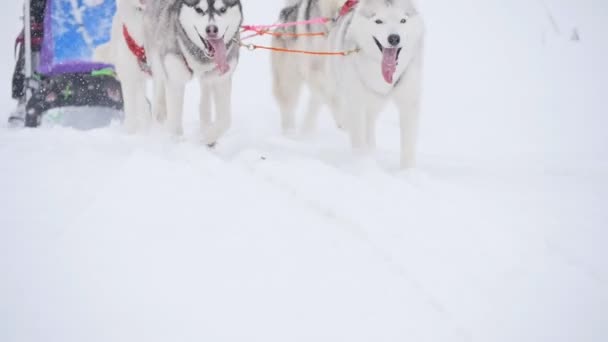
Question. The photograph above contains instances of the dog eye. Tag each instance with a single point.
(403, 21)
(199, 10)
(223, 10)
(379, 22)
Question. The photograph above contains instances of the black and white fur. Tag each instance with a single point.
(178, 50)
(353, 86)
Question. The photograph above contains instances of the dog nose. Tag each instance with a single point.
(394, 39)
(212, 30)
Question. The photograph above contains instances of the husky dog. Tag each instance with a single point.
(126, 51)
(386, 38)
(193, 38)
(292, 71)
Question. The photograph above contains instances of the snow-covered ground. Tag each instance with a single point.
(500, 235)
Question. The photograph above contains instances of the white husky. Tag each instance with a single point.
(126, 51)
(194, 38)
(387, 38)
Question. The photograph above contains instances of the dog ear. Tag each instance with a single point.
(231, 3)
(191, 3)
(409, 5)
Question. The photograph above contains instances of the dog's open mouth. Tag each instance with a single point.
(209, 48)
(215, 48)
(390, 59)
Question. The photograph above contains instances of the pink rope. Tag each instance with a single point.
(253, 35)
(258, 28)
(347, 7)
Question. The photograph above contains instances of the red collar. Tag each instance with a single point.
(349, 5)
(137, 50)
(140, 52)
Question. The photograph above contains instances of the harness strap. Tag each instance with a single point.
(137, 50)
(187, 65)
(348, 6)
(257, 28)
(283, 34)
(252, 47)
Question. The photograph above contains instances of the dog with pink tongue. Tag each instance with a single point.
(383, 41)
(198, 39)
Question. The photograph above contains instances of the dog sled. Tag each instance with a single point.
(56, 80)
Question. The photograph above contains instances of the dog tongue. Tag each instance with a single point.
(389, 64)
(220, 58)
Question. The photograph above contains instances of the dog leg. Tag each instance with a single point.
(357, 128)
(175, 85)
(287, 85)
(337, 114)
(205, 106)
(288, 113)
(312, 113)
(143, 106)
(160, 101)
(407, 100)
(175, 107)
(370, 126)
(222, 97)
(129, 96)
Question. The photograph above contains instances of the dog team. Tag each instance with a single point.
(172, 42)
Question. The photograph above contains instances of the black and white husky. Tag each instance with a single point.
(386, 38)
(193, 38)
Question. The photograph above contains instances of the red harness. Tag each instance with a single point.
(138, 51)
(349, 5)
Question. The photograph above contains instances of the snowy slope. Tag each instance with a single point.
(499, 236)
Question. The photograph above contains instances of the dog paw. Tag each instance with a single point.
(210, 140)
(212, 134)
(160, 116)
